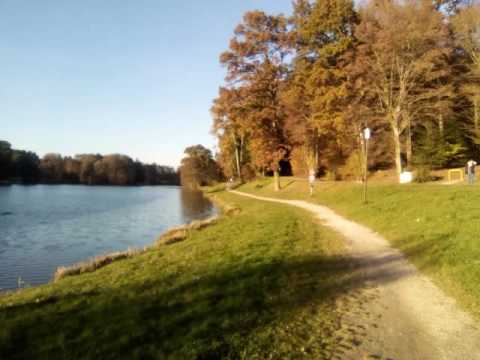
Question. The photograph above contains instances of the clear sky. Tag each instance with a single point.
(114, 76)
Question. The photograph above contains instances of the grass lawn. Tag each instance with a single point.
(260, 284)
(436, 226)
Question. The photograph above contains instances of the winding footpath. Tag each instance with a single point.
(402, 315)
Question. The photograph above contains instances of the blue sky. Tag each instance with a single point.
(132, 76)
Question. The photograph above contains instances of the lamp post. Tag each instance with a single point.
(366, 133)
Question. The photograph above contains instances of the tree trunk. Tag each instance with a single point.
(276, 180)
(398, 150)
(237, 155)
(237, 160)
(409, 143)
(475, 116)
(441, 127)
(241, 148)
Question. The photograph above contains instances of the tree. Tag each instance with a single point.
(229, 114)
(71, 170)
(140, 173)
(466, 30)
(26, 166)
(115, 169)
(5, 159)
(403, 54)
(87, 167)
(198, 168)
(51, 167)
(317, 89)
(256, 63)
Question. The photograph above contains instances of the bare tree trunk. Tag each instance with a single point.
(398, 150)
(241, 148)
(237, 160)
(276, 180)
(409, 143)
(475, 115)
(441, 127)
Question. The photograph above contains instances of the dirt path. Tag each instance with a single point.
(400, 314)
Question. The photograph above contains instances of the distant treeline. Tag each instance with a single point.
(89, 169)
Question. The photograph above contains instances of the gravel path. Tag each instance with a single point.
(400, 313)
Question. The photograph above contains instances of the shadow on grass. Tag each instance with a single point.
(218, 315)
(286, 185)
(428, 251)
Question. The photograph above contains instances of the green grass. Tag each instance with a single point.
(436, 226)
(260, 284)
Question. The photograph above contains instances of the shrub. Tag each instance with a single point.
(352, 170)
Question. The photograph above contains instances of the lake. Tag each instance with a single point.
(43, 227)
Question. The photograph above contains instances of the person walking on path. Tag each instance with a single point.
(470, 170)
(230, 184)
(311, 181)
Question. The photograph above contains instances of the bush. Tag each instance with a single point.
(248, 173)
(352, 170)
(423, 174)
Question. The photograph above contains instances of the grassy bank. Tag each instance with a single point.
(260, 284)
(436, 226)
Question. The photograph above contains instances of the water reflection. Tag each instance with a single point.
(194, 204)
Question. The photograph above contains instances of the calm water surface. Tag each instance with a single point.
(43, 227)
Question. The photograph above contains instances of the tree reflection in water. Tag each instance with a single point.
(195, 205)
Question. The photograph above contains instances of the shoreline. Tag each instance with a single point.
(96, 262)
(86, 185)
(169, 236)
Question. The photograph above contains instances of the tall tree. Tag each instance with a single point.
(403, 54)
(317, 92)
(198, 168)
(256, 62)
(229, 126)
(466, 27)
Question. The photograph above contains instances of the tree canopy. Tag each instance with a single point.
(199, 168)
(301, 88)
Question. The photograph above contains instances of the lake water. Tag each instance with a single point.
(43, 227)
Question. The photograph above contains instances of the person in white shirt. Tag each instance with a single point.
(470, 170)
(311, 181)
